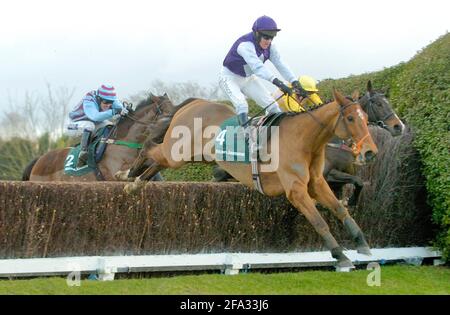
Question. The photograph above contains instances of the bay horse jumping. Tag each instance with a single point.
(133, 128)
(340, 167)
(302, 138)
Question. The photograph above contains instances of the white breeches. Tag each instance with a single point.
(236, 88)
(76, 128)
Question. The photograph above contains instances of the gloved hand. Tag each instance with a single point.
(283, 87)
(120, 111)
(298, 89)
(124, 112)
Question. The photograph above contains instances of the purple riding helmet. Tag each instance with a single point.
(265, 25)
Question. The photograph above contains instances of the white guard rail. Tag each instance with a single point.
(230, 263)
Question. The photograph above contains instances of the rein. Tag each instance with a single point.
(158, 113)
(278, 98)
(132, 145)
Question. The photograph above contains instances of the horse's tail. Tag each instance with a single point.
(27, 171)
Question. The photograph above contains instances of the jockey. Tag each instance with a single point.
(244, 65)
(291, 103)
(92, 113)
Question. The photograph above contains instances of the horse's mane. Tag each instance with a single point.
(144, 102)
(187, 101)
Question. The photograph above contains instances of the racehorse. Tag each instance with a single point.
(302, 138)
(340, 168)
(130, 129)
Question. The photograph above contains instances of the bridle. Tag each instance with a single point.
(355, 146)
(372, 113)
(158, 113)
(113, 131)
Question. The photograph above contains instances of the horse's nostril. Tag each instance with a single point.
(369, 156)
(397, 128)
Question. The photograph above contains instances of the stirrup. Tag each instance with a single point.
(82, 159)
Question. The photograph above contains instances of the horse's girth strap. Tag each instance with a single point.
(132, 145)
(253, 147)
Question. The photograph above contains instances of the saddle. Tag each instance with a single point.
(232, 145)
(96, 151)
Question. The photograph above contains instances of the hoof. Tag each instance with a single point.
(122, 175)
(344, 266)
(365, 250)
(134, 187)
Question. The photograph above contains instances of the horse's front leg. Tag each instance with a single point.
(321, 191)
(136, 169)
(335, 176)
(297, 193)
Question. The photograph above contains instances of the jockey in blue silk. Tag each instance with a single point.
(92, 113)
(244, 66)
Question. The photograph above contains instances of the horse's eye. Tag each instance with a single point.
(350, 118)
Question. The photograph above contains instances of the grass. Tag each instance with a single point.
(394, 280)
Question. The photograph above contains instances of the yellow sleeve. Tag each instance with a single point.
(316, 99)
(312, 101)
(287, 105)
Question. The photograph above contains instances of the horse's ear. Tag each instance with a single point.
(387, 92)
(154, 98)
(369, 87)
(338, 96)
(355, 95)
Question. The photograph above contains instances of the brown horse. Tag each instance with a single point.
(302, 139)
(132, 128)
(340, 168)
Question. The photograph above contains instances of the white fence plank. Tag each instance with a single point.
(230, 263)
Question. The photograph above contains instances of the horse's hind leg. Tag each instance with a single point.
(155, 162)
(142, 179)
(319, 190)
(298, 196)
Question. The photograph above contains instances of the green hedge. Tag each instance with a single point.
(420, 93)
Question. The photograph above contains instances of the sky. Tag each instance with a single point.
(83, 44)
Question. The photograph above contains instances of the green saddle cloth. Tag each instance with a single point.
(231, 145)
(71, 162)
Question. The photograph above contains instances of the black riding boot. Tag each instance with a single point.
(242, 118)
(83, 157)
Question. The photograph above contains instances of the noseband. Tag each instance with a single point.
(356, 146)
(371, 112)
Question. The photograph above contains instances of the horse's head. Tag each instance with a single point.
(148, 112)
(380, 111)
(352, 123)
(155, 107)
